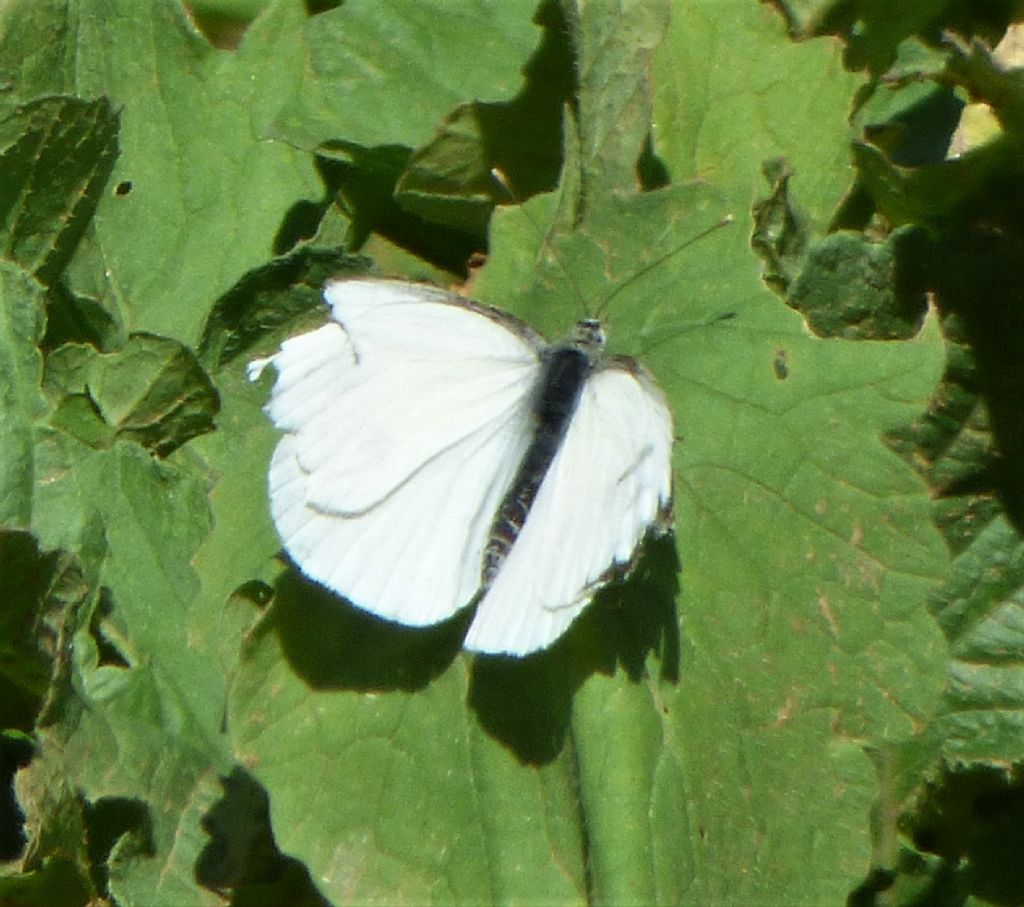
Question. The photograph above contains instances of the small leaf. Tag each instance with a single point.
(268, 298)
(849, 287)
(153, 391)
(424, 52)
(56, 155)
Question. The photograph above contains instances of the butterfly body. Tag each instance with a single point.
(438, 452)
(565, 371)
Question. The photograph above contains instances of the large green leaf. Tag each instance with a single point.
(807, 694)
(803, 636)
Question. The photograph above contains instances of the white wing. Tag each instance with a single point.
(405, 421)
(609, 482)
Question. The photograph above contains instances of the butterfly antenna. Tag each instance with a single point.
(650, 266)
(667, 335)
(500, 179)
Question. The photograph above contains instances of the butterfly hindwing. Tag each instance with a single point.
(608, 483)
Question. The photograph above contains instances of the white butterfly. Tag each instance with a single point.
(411, 476)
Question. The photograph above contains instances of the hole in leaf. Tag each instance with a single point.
(255, 592)
(780, 365)
(109, 653)
(651, 170)
(300, 222)
(119, 822)
(15, 753)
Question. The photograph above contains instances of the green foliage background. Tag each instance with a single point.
(811, 694)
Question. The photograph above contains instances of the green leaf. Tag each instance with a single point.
(152, 391)
(850, 288)
(198, 192)
(753, 622)
(806, 695)
(56, 155)
(712, 117)
(142, 725)
(981, 612)
(386, 73)
(55, 868)
(21, 328)
(614, 118)
(803, 632)
(268, 298)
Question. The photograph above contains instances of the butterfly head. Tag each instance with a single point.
(590, 336)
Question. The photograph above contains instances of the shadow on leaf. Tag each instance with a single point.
(333, 645)
(979, 282)
(965, 844)
(526, 703)
(523, 702)
(242, 856)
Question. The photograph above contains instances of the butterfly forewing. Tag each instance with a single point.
(404, 424)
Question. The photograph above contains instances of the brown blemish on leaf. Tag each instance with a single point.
(826, 611)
